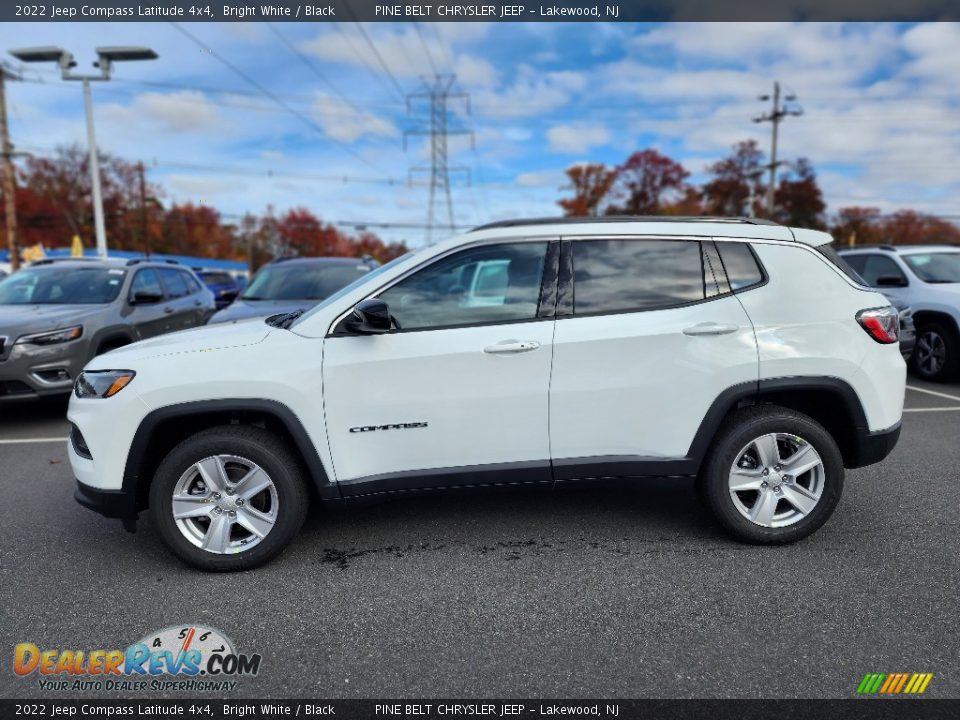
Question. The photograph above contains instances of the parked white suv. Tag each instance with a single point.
(927, 278)
(734, 351)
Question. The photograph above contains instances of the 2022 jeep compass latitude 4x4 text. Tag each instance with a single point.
(739, 352)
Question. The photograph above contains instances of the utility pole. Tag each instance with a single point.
(143, 209)
(439, 91)
(776, 115)
(9, 181)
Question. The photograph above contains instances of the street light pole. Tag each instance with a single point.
(106, 56)
(98, 222)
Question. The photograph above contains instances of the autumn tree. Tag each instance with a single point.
(908, 227)
(590, 183)
(645, 181)
(798, 200)
(728, 191)
(856, 225)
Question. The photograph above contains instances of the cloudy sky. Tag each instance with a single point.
(244, 115)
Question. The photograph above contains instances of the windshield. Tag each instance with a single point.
(354, 285)
(62, 286)
(941, 267)
(302, 281)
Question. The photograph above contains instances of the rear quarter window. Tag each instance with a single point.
(741, 265)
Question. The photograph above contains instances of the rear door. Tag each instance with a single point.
(648, 334)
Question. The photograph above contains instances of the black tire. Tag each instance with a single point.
(261, 447)
(935, 336)
(740, 429)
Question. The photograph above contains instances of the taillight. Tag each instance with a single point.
(882, 324)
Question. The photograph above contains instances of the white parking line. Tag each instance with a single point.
(944, 409)
(18, 441)
(934, 392)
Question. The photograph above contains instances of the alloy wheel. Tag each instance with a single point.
(225, 504)
(776, 480)
(931, 352)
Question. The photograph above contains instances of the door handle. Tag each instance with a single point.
(512, 347)
(168, 310)
(710, 328)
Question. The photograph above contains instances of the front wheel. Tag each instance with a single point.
(228, 498)
(773, 475)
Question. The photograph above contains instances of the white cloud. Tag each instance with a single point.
(344, 123)
(574, 139)
(181, 111)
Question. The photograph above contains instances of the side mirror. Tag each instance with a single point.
(145, 298)
(369, 317)
(891, 281)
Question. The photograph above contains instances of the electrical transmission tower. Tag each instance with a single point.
(776, 115)
(438, 90)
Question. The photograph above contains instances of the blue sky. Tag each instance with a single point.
(881, 102)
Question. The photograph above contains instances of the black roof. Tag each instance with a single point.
(522, 222)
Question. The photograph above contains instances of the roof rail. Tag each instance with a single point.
(875, 246)
(51, 260)
(137, 261)
(521, 222)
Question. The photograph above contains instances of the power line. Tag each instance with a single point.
(426, 50)
(439, 93)
(293, 111)
(776, 115)
(376, 52)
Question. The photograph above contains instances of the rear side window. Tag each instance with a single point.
(841, 263)
(173, 281)
(741, 266)
(629, 275)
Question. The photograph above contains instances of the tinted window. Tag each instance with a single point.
(302, 281)
(217, 278)
(146, 281)
(740, 264)
(173, 282)
(53, 285)
(846, 263)
(871, 266)
(192, 284)
(943, 267)
(490, 284)
(627, 275)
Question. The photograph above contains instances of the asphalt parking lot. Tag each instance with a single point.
(613, 593)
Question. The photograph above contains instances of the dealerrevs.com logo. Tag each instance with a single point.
(192, 658)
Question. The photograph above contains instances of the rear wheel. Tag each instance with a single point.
(228, 498)
(935, 356)
(773, 475)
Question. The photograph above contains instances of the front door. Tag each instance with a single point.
(457, 393)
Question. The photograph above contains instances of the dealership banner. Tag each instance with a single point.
(485, 10)
(254, 709)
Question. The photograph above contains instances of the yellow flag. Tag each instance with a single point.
(76, 249)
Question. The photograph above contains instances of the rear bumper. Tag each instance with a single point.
(109, 503)
(872, 447)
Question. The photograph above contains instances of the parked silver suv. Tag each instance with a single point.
(55, 315)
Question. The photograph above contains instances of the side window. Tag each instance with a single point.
(499, 283)
(146, 281)
(173, 281)
(876, 266)
(740, 264)
(628, 275)
(192, 285)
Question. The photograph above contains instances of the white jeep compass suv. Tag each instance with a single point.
(735, 351)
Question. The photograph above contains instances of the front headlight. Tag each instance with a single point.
(51, 338)
(102, 383)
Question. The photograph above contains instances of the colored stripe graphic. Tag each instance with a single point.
(894, 683)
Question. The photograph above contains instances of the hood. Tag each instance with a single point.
(242, 309)
(202, 339)
(16, 320)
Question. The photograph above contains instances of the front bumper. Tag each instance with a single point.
(872, 447)
(29, 372)
(116, 504)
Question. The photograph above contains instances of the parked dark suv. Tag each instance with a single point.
(55, 315)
